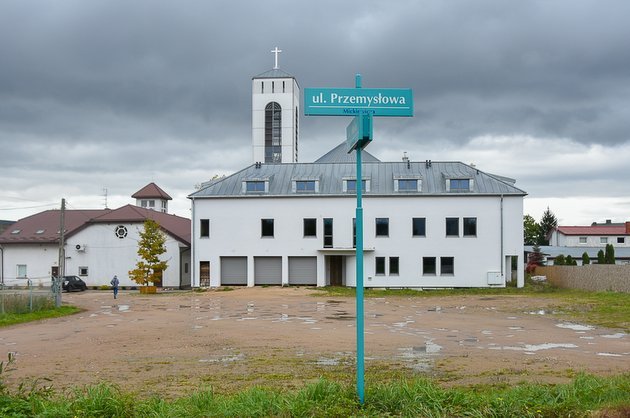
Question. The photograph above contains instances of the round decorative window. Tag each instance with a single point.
(121, 231)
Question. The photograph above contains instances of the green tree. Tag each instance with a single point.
(151, 245)
(536, 257)
(548, 223)
(601, 258)
(559, 260)
(531, 230)
(569, 261)
(586, 259)
(609, 255)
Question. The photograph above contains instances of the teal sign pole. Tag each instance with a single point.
(363, 104)
(359, 259)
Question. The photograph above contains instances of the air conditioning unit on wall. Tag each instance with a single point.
(80, 247)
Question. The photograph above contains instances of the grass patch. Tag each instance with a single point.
(18, 318)
(585, 396)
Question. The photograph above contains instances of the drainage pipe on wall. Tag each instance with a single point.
(501, 255)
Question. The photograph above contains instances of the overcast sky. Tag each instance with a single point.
(107, 94)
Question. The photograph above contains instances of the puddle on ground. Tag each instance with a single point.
(123, 308)
(223, 359)
(609, 355)
(617, 335)
(575, 327)
(341, 315)
(536, 347)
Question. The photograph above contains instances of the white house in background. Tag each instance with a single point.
(426, 224)
(98, 245)
(153, 197)
(595, 235)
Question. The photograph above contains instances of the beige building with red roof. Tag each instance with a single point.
(99, 243)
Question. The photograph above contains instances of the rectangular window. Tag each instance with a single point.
(305, 185)
(428, 266)
(266, 228)
(419, 227)
(459, 185)
(164, 206)
(382, 227)
(185, 268)
(21, 271)
(603, 240)
(393, 266)
(83, 271)
(354, 232)
(310, 227)
(380, 266)
(255, 186)
(470, 227)
(452, 227)
(204, 228)
(351, 186)
(328, 232)
(621, 240)
(407, 185)
(582, 240)
(447, 266)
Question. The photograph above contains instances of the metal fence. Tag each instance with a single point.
(25, 295)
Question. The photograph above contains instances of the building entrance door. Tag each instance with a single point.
(335, 263)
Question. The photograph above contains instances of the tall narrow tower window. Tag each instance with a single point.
(273, 133)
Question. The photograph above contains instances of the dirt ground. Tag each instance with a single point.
(173, 343)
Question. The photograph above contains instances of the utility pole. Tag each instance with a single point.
(62, 254)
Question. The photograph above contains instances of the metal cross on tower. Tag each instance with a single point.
(276, 52)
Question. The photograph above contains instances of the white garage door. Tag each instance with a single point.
(268, 270)
(233, 271)
(303, 270)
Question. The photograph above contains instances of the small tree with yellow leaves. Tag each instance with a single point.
(151, 245)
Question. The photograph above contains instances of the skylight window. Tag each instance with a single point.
(40, 231)
(16, 231)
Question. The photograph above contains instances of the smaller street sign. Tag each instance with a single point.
(359, 132)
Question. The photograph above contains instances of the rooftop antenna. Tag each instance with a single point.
(105, 196)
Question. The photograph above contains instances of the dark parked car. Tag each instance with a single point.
(73, 283)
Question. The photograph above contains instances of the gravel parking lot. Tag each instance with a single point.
(174, 342)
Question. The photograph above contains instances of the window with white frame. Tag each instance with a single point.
(603, 240)
(255, 186)
(407, 185)
(621, 240)
(447, 266)
(394, 266)
(470, 227)
(380, 266)
(21, 271)
(418, 227)
(428, 266)
(305, 186)
(204, 228)
(452, 227)
(83, 271)
(582, 240)
(350, 185)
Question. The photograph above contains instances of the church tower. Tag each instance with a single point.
(275, 116)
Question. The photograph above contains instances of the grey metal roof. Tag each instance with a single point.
(331, 175)
(274, 73)
(340, 154)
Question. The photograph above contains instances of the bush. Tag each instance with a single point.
(586, 259)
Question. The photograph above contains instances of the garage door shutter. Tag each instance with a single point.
(268, 270)
(303, 270)
(233, 271)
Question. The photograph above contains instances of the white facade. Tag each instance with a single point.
(586, 240)
(275, 87)
(478, 261)
(95, 254)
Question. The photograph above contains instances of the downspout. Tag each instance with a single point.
(501, 255)
(192, 245)
(1, 266)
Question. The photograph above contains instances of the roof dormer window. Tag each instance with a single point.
(407, 184)
(255, 186)
(350, 185)
(305, 186)
(459, 185)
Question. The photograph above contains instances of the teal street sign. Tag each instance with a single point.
(358, 101)
(359, 132)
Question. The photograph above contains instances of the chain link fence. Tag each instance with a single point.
(26, 295)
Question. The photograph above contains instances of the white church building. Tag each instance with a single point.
(280, 222)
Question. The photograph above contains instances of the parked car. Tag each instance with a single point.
(73, 283)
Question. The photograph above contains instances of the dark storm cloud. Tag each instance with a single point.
(154, 87)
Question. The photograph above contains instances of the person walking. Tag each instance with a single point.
(115, 282)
